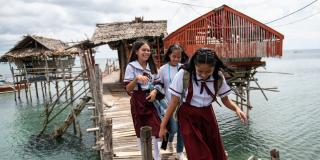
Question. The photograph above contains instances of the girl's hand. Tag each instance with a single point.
(142, 79)
(242, 116)
(152, 95)
(162, 133)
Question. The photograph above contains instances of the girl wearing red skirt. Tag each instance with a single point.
(196, 117)
(139, 77)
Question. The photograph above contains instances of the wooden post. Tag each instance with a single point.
(29, 89)
(49, 89)
(98, 88)
(248, 95)
(57, 87)
(146, 146)
(84, 76)
(107, 134)
(92, 78)
(43, 96)
(25, 81)
(14, 84)
(98, 79)
(71, 90)
(274, 153)
(45, 90)
(241, 99)
(64, 81)
(36, 87)
(19, 86)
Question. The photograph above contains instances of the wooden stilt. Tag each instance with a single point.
(49, 89)
(25, 81)
(19, 86)
(45, 90)
(26, 90)
(107, 134)
(71, 90)
(14, 83)
(29, 89)
(36, 87)
(57, 88)
(42, 89)
(242, 95)
(248, 95)
(64, 81)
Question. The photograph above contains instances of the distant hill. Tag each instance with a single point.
(302, 51)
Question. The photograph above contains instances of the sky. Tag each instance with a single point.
(75, 20)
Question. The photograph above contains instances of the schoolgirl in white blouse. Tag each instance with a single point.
(139, 78)
(173, 59)
(196, 117)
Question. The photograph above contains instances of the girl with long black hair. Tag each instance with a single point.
(139, 78)
(196, 116)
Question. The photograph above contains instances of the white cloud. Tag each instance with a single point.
(73, 20)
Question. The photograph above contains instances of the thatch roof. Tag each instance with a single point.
(32, 46)
(111, 32)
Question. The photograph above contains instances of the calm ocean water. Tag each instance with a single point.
(289, 121)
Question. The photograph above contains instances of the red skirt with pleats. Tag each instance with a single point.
(200, 133)
(144, 113)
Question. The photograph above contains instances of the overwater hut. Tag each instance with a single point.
(36, 53)
(120, 36)
(238, 39)
(41, 59)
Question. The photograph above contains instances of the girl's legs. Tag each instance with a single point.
(173, 129)
(155, 142)
(179, 142)
(180, 155)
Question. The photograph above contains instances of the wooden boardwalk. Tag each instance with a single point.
(124, 139)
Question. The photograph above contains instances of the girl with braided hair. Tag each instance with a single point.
(196, 117)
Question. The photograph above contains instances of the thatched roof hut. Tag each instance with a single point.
(33, 46)
(111, 33)
(120, 36)
(32, 50)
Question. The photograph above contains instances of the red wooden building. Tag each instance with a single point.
(230, 33)
(239, 40)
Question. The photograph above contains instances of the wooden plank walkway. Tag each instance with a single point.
(124, 139)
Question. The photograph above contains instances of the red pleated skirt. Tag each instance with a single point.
(144, 113)
(200, 133)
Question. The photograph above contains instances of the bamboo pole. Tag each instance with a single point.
(146, 148)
